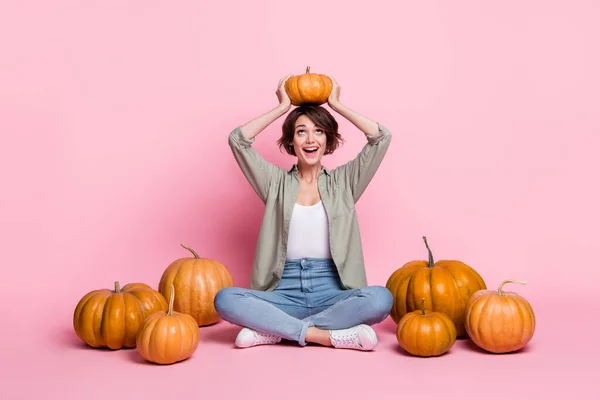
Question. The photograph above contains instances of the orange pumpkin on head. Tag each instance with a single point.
(446, 286)
(308, 88)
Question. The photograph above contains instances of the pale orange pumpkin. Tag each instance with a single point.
(426, 334)
(196, 281)
(499, 322)
(308, 88)
(107, 318)
(167, 337)
(446, 286)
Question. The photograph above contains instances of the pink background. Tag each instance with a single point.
(114, 118)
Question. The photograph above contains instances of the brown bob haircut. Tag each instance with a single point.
(320, 117)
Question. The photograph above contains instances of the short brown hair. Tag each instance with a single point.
(320, 117)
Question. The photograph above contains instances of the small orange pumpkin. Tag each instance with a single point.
(167, 337)
(446, 286)
(308, 88)
(499, 322)
(426, 334)
(196, 281)
(107, 318)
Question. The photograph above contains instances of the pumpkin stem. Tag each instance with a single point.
(431, 263)
(308, 70)
(171, 300)
(117, 287)
(193, 252)
(423, 306)
(500, 292)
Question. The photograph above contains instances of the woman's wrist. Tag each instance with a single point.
(283, 108)
(335, 106)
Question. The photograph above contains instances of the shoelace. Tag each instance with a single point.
(349, 339)
(262, 338)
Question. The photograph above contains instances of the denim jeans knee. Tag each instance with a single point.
(225, 299)
(256, 310)
(381, 300)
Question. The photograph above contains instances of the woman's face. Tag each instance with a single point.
(309, 142)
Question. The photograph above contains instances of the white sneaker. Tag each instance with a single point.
(249, 337)
(361, 337)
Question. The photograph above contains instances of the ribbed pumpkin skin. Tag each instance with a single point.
(107, 318)
(308, 88)
(196, 281)
(167, 337)
(446, 286)
(499, 322)
(150, 299)
(426, 334)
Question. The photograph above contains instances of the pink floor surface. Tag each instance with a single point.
(559, 362)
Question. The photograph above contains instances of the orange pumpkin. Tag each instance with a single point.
(167, 337)
(446, 285)
(107, 318)
(196, 281)
(499, 322)
(150, 299)
(426, 334)
(308, 88)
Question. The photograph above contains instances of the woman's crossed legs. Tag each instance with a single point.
(340, 319)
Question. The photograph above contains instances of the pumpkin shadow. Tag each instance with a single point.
(469, 345)
(388, 326)
(220, 333)
(135, 357)
(66, 337)
(405, 353)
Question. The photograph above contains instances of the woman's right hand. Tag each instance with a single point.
(284, 99)
(258, 124)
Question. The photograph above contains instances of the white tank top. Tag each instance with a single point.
(309, 232)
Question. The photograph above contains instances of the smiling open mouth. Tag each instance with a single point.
(310, 149)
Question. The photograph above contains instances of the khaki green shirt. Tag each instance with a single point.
(339, 188)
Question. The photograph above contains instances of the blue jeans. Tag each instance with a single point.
(309, 293)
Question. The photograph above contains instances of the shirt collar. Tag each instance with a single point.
(323, 168)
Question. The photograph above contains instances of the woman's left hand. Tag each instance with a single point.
(334, 97)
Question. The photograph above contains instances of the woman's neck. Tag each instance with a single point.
(309, 173)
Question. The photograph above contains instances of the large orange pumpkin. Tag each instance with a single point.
(107, 318)
(426, 334)
(499, 322)
(196, 281)
(167, 337)
(308, 88)
(446, 285)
